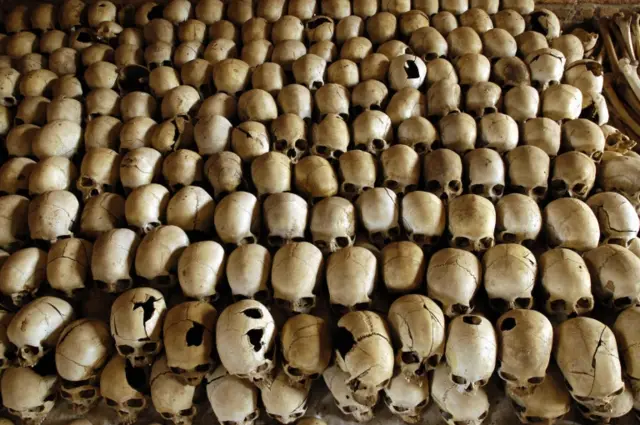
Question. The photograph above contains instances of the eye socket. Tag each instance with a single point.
(150, 347)
(294, 371)
(201, 368)
(461, 242)
(188, 412)
(135, 402)
(507, 376)
(536, 380)
(422, 403)
(410, 357)
(88, 393)
(348, 409)
(177, 370)
(125, 350)
(166, 415)
(111, 402)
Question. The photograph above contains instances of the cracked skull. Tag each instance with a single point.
(351, 277)
(306, 347)
(242, 408)
(296, 272)
(171, 397)
(471, 223)
(510, 272)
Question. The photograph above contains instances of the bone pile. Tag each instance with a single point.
(393, 202)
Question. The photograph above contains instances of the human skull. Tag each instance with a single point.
(528, 171)
(99, 172)
(247, 270)
(440, 69)
(581, 233)
(219, 104)
(483, 98)
(498, 43)
(443, 21)
(14, 227)
(443, 99)
(182, 168)
(522, 103)
(31, 110)
(587, 75)
(358, 171)
(626, 338)
(53, 215)
(471, 351)
(518, 220)
(407, 399)
(587, 355)
(245, 335)
(566, 283)
(9, 87)
(485, 171)
(419, 134)
(285, 216)
(510, 272)
(403, 267)
(299, 262)
(296, 99)
(406, 103)
(543, 133)
(82, 351)
(462, 407)
(67, 134)
(171, 397)
(315, 178)
(28, 393)
(374, 67)
(471, 223)
(528, 41)
(146, 207)
(573, 175)
(372, 131)
(463, 40)
(562, 102)
(333, 224)
(103, 132)
(616, 141)
(458, 132)
(112, 259)
(443, 174)
(52, 173)
(619, 407)
(224, 173)
(7, 349)
(584, 136)
(200, 269)
(124, 389)
(289, 135)
(498, 131)
(345, 267)
(336, 381)
(617, 218)
(547, 66)
(68, 265)
(237, 218)
(192, 210)
(378, 211)
(472, 68)
(102, 102)
(249, 140)
(140, 167)
(369, 94)
(135, 133)
(306, 348)
(36, 327)
(330, 137)
(158, 254)
(400, 169)
(524, 331)
(511, 72)
(363, 350)
(22, 274)
(242, 407)
(619, 174)
(611, 268)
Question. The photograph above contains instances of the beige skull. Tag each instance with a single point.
(581, 233)
(242, 408)
(301, 263)
(443, 174)
(518, 220)
(346, 266)
(237, 218)
(510, 272)
(423, 218)
(407, 399)
(573, 175)
(200, 269)
(22, 274)
(158, 254)
(112, 259)
(28, 394)
(68, 265)
(248, 269)
(528, 171)
(612, 270)
(486, 173)
(306, 348)
(171, 397)
(124, 389)
(333, 224)
(471, 223)
(462, 407)
(285, 216)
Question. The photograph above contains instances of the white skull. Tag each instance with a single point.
(112, 259)
(573, 175)
(336, 381)
(612, 270)
(306, 348)
(53, 215)
(99, 172)
(483, 98)
(363, 349)
(158, 254)
(171, 397)
(529, 332)
(285, 216)
(518, 220)
(22, 274)
(333, 224)
(315, 178)
(188, 340)
(471, 223)
(584, 136)
(68, 265)
(472, 68)
(358, 171)
(82, 351)
(562, 102)
(248, 269)
(547, 66)
(245, 337)
(486, 173)
(224, 173)
(124, 389)
(471, 351)
(146, 207)
(351, 277)
(330, 137)
(617, 217)
(510, 272)
(400, 169)
(296, 272)
(28, 393)
(136, 325)
(201, 269)
(407, 399)
(241, 408)
(379, 212)
(453, 278)
(139, 167)
(237, 218)
(566, 283)
(423, 218)
(624, 328)
(470, 408)
(528, 41)
(403, 267)
(570, 223)
(406, 71)
(443, 174)
(289, 135)
(587, 75)
(419, 134)
(463, 40)
(543, 133)
(528, 170)
(372, 131)
(498, 131)
(522, 103)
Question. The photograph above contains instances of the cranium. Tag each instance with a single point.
(407, 399)
(455, 406)
(124, 388)
(486, 173)
(237, 218)
(200, 269)
(581, 233)
(471, 223)
(285, 216)
(528, 170)
(423, 218)
(171, 397)
(243, 407)
(510, 272)
(22, 274)
(306, 348)
(351, 264)
(112, 259)
(611, 268)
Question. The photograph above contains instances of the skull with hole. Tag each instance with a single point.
(485, 172)
(146, 207)
(443, 99)
(443, 174)
(510, 272)
(458, 132)
(358, 171)
(423, 218)
(406, 103)
(498, 131)
(407, 399)
(369, 94)
(247, 271)
(296, 99)
(7, 349)
(562, 102)
(14, 228)
(406, 71)
(22, 274)
(245, 335)
(242, 408)
(53, 173)
(52, 216)
(352, 273)
(102, 213)
(302, 264)
(471, 351)
(68, 265)
(191, 209)
(363, 349)
(581, 233)
(526, 340)
(419, 134)
(403, 267)
(547, 403)
(543, 133)
(457, 407)
(528, 171)
(330, 137)
(237, 218)
(378, 210)
(483, 98)
(136, 325)
(462, 41)
(306, 348)
(140, 167)
(36, 327)
(289, 136)
(616, 141)
(124, 388)
(333, 224)
(249, 140)
(400, 169)
(112, 259)
(336, 381)
(573, 175)
(471, 223)
(570, 46)
(511, 72)
(518, 220)
(372, 131)
(99, 172)
(566, 283)
(158, 254)
(584, 136)
(545, 22)
(547, 66)
(613, 269)
(319, 28)
(443, 21)
(587, 354)
(188, 340)
(418, 328)
(587, 75)
(182, 168)
(81, 352)
(200, 270)
(28, 393)
(285, 216)
(224, 173)
(616, 216)
(522, 103)
(315, 178)
(171, 397)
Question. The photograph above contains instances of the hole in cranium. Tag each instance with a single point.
(148, 308)
(136, 403)
(477, 189)
(136, 377)
(536, 380)
(253, 313)
(472, 320)
(131, 77)
(523, 302)
(508, 324)
(410, 357)
(411, 69)
(343, 241)
(316, 22)
(91, 393)
(458, 380)
(195, 335)
(378, 144)
(558, 305)
(461, 242)
(255, 338)
(622, 302)
(344, 341)
(125, 350)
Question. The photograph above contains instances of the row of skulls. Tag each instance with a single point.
(408, 357)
